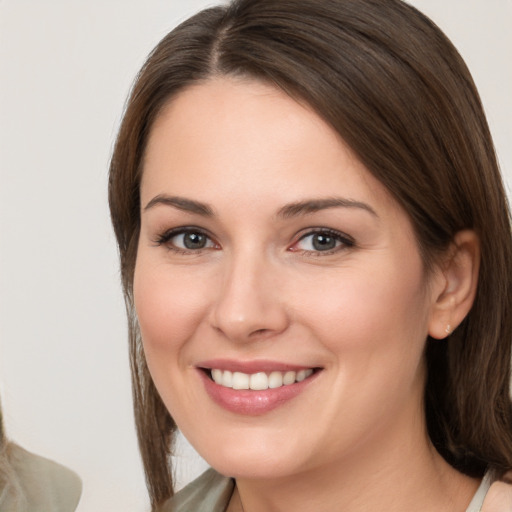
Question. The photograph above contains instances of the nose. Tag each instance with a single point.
(249, 306)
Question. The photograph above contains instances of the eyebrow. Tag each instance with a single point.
(288, 211)
(314, 205)
(186, 205)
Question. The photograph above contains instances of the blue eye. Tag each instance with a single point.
(323, 241)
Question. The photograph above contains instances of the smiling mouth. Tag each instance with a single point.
(259, 381)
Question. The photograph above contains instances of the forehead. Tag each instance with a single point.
(242, 137)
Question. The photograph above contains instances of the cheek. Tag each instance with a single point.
(169, 310)
(169, 307)
(374, 326)
(381, 310)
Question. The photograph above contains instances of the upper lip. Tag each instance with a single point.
(250, 367)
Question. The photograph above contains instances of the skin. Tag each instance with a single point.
(260, 290)
(499, 497)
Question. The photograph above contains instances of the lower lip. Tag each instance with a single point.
(253, 403)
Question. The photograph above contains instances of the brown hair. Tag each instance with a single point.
(397, 91)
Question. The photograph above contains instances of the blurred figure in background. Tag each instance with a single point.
(30, 483)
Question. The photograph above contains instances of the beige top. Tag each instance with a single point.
(43, 485)
(211, 492)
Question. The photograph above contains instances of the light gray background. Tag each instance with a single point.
(65, 70)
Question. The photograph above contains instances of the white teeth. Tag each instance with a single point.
(217, 375)
(289, 378)
(258, 381)
(240, 380)
(303, 374)
(226, 379)
(275, 380)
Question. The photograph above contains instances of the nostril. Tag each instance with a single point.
(259, 332)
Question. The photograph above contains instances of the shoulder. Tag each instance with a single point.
(210, 492)
(499, 496)
(43, 483)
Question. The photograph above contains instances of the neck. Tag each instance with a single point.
(405, 473)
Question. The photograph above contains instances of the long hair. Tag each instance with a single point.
(395, 89)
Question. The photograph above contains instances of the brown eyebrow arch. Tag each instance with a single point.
(187, 205)
(315, 205)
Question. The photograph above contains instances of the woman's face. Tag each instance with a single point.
(270, 258)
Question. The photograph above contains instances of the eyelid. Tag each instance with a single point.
(346, 241)
(164, 239)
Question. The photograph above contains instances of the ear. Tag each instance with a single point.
(458, 279)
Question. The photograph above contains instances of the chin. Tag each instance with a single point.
(252, 469)
(253, 459)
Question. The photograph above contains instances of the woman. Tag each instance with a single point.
(315, 248)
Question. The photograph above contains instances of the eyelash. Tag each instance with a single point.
(165, 238)
(344, 241)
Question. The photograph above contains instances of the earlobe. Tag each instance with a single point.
(460, 279)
